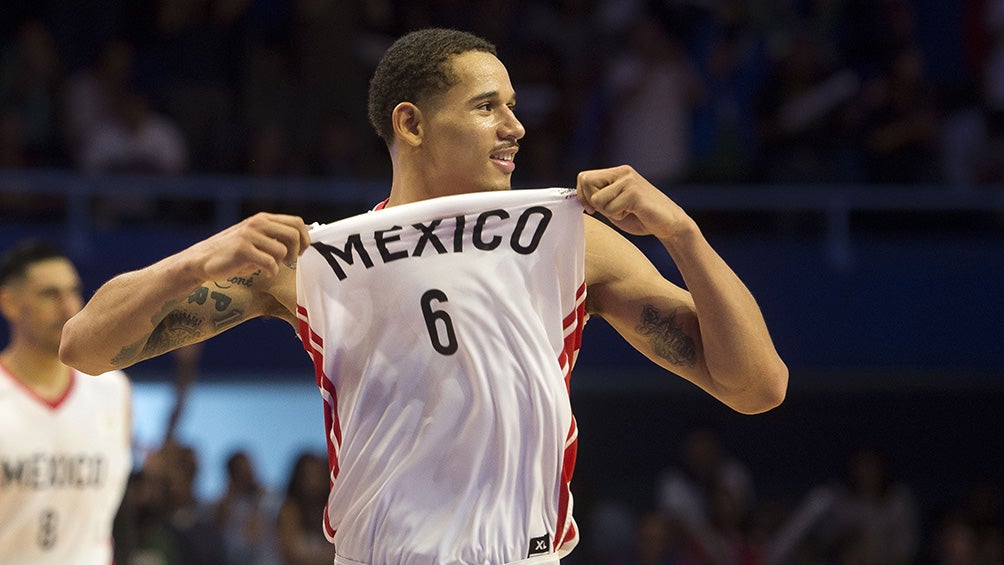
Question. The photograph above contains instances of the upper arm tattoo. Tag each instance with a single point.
(667, 337)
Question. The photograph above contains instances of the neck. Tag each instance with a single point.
(41, 372)
(407, 185)
(407, 188)
(414, 179)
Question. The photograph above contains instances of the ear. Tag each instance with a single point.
(407, 121)
(7, 306)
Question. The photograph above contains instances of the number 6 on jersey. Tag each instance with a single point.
(434, 316)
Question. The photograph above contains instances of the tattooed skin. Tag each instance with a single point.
(667, 337)
(128, 353)
(175, 326)
(247, 281)
(230, 318)
(221, 302)
(164, 311)
(178, 328)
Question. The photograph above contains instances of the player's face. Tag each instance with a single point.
(471, 131)
(39, 305)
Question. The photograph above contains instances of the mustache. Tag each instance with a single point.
(514, 144)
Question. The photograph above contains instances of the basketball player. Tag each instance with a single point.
(64, 436)
(443, 328)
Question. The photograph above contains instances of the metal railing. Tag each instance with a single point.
(228, 196)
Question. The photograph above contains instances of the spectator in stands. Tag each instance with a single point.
(161, 519)
(733, 65)
(900, 123)
(659, 540)
(190, 519)
(691, 492)
(972, 532)
(246, 516)
(326, 36)
(732, 539)
(336, 152)
(542, 105)
(135, 138)
(993, 92)
(868, 518)
(196, 50)
(955, 542)
(268, 151)
(142, 531)
(653, 89)
(301, 536)
(13, 153)
(30, 75)
(801, 112)
(92, 93)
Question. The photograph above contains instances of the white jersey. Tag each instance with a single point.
(63, 470)
(443, 335)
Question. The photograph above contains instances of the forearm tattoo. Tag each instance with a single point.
(667, 337)
(174, 328)
(128, 353)
(247, 281)
(178, 328)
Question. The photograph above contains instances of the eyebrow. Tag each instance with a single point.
(489, 96)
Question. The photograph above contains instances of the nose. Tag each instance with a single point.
(71, 303)
(512, 128)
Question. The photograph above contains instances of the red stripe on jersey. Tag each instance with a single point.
(313, 344)
(52, 404)
(565, 530)
(571, 535)
(573, 324)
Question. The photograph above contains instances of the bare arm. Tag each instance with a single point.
(146, 313)
(713, 333)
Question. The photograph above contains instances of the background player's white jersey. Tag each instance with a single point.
(443, 335)
(63, 470)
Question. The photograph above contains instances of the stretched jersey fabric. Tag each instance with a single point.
(63, 470)
(443, 335)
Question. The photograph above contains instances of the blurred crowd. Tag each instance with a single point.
(747, 91)
(704, 505)
(704, 509)
(162, 521)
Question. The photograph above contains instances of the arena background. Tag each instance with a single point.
(885, 297)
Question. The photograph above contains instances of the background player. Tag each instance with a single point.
(64, 436)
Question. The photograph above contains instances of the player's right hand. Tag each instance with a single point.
(265, 242)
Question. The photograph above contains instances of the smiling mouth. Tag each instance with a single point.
(506, 152)
(504, 157)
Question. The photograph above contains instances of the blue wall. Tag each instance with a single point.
(924, 302)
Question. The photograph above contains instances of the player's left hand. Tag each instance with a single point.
(629, 201)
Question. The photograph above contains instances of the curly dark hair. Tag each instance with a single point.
(415, 67)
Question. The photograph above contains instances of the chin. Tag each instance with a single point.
(499, 186)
